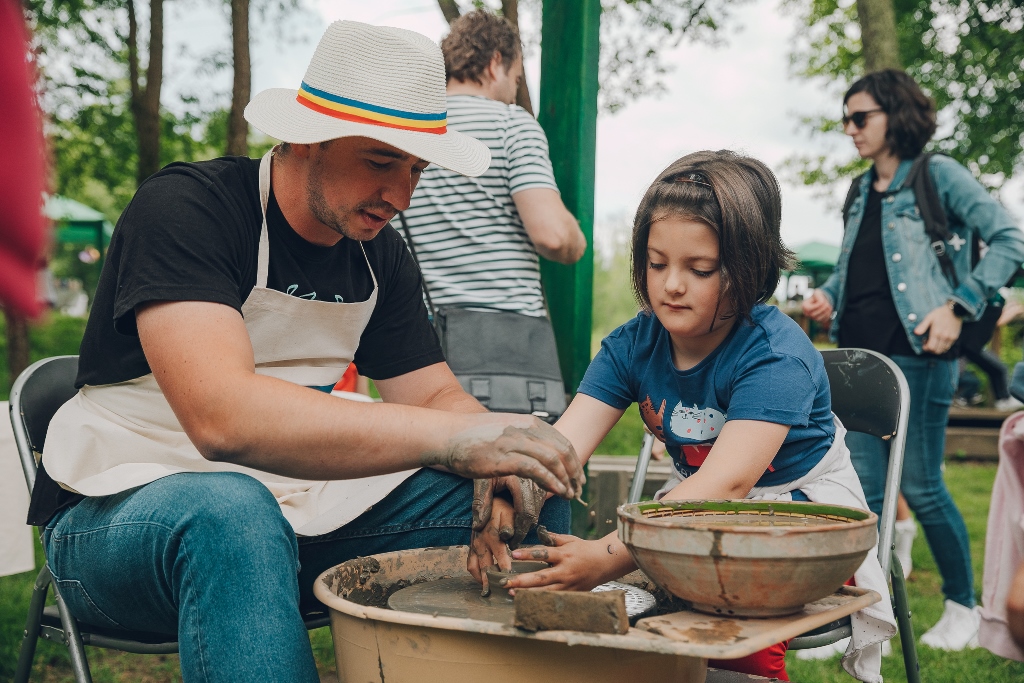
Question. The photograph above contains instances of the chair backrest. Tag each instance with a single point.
(870, 395)
(38, 392)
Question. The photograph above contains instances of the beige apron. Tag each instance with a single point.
(114, 437)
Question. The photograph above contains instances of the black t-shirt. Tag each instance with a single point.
(870, 320)
(191, 233)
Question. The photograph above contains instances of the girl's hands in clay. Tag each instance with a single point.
(487, 547)
(576, 565)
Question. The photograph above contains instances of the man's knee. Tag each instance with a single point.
(237, 511)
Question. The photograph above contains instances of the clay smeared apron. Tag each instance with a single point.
(111, 438)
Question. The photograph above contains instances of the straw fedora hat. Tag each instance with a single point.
(377, 82)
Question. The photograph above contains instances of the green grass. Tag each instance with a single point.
(970, 484)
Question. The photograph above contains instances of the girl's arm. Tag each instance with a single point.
(586, 422)
(740, 456)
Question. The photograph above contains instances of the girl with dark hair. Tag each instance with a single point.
(731, 385)
(891, 292)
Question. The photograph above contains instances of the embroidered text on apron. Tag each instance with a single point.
(111, 438)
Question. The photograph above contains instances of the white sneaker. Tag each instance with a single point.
(956, 630)
(906, 530)
(825, 651)
(1008, 404)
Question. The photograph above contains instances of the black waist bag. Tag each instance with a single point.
(507, 361)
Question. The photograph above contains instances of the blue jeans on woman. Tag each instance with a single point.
(932, 383)
(210, 558)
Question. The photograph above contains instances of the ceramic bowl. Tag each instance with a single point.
(747, 558)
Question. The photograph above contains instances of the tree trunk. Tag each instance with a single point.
(17, 345)
(510, 9)
(450, 10)
(879, 42)
(238, 129)
(146, 101)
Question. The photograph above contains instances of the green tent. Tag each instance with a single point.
(77, 223)
(816, 259)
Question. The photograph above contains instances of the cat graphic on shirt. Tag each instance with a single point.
(696, 424)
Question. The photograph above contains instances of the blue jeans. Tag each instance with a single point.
(932, 383)
(209, 557)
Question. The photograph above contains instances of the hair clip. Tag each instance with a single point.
(696, 178)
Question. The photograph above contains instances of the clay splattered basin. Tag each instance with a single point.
(374, 644)
(747, 558)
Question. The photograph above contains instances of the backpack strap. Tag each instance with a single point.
(423, 280)
(933, 213)
(852, 195)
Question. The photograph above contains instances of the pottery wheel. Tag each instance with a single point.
(460, 597)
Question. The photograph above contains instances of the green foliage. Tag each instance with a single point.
(82, 57)
(968, 55)
(613, 297)
(57, 335)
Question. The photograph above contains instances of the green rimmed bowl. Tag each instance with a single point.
(747, 558)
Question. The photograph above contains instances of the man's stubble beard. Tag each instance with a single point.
(317, 203)
(322, 211)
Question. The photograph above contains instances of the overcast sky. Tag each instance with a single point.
(739, 95)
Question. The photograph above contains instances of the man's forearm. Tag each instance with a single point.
(279, 427)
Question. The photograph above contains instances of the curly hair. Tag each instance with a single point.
(911, 113)
(736, 196)
(472, 42)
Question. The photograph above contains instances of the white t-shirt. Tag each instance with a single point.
(470, 242)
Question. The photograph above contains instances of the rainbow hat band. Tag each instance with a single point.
(362, 112)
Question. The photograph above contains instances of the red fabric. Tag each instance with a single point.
(769, 662)
(348, 380)
(22, 173)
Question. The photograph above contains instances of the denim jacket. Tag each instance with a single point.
(915, 276)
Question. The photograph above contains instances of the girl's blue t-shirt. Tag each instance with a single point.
(765, 370)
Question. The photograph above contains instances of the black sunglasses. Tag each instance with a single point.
(859, 118)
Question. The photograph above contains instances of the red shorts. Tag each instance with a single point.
(769, 662)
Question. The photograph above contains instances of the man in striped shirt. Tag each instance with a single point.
(477, 239)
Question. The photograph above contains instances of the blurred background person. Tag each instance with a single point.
(888, 295)
(22, 175)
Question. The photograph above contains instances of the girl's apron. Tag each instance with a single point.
(114, 437)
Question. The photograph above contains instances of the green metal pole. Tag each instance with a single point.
(570, 44)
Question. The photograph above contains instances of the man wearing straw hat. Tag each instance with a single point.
(199, 481)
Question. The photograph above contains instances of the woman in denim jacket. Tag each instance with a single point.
(888, 294)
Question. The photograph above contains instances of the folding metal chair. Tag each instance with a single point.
(37, 394)
(869, 395)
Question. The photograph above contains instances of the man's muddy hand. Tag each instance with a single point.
(487, 548)
(527, 500)
(498, 445)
